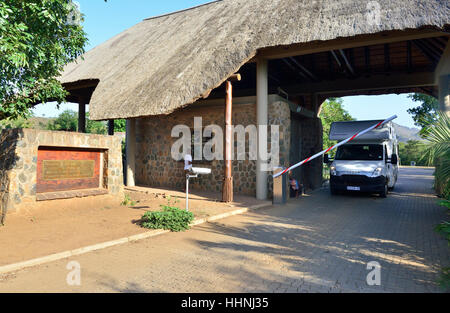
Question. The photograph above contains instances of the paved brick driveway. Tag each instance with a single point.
(318, 244)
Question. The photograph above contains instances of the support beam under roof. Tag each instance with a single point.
(375, 82)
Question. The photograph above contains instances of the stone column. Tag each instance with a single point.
(131, 152)
(444, 94)
(443, 81)
(262, 119)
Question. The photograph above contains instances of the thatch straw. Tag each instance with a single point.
(168, 62)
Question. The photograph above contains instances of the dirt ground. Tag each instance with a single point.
(61, 225)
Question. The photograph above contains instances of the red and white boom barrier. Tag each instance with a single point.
(335, 146)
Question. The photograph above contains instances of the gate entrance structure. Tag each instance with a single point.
(160, 72)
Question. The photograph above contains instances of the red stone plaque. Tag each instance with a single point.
(64, 169)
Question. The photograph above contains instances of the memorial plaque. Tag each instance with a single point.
(64, 169)
(67, 169)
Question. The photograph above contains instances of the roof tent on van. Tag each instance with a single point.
(342, 130)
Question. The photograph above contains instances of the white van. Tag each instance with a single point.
(370, 163)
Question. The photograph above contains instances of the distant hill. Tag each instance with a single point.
(405, 134)
(40, 122)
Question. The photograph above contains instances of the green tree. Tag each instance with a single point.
(95, 127)
(412, 151)
(332, 111)
(425, 114)
(20, 122)
(120, 126)
(66, 121)
(37, 38)
(438, 152)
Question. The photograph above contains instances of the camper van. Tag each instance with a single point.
(370, 163)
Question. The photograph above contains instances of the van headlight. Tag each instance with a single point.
(377, 172)
(333, 171)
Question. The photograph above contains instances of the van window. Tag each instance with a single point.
(360, 152)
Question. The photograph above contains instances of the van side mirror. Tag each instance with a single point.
(394, 159)
(327, 159)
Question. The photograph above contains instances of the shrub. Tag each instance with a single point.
(170, 218)
(127, 201)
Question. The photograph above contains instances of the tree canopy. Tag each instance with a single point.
(426, 113)
(332, 111)
(37, 38)
(68, 121)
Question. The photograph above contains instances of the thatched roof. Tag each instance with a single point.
(168, 62)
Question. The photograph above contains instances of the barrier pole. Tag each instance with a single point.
(336, 146)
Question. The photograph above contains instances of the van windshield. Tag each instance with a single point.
(360, 153)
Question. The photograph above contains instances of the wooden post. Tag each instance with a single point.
(81, 115)
(111, 127)
(227, 191)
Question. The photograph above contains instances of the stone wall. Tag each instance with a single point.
(156, 168)
(18, 162)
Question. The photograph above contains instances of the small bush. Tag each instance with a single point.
(170, 218)
(127, 201)
(444, 281)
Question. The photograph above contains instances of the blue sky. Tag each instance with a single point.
(104, 20)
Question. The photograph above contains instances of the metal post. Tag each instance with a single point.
(187, 192)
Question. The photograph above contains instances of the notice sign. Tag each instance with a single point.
(67, 169)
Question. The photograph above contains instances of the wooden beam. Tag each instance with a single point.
(344, 43)
(339, 63)
(432, 57)
(375, 82)
(439, 42)
(367, 59)
(409, 60)
(434, 46)
(347, 63)
(83, 84)
(293, 68)
(304, 69)
(387, 58)
(330, 64)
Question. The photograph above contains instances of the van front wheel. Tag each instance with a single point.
(385, 191)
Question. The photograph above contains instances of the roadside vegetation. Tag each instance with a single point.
(437, 153)
(171, 217)
(37, 40)
(412, 151)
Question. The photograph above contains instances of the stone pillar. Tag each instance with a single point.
(131, 152)
(442, 75)
(82, 116)
(444, 94)
(262, 118)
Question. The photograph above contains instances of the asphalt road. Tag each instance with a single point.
(320, 243)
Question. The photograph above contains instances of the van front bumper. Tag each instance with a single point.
(366, 184)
